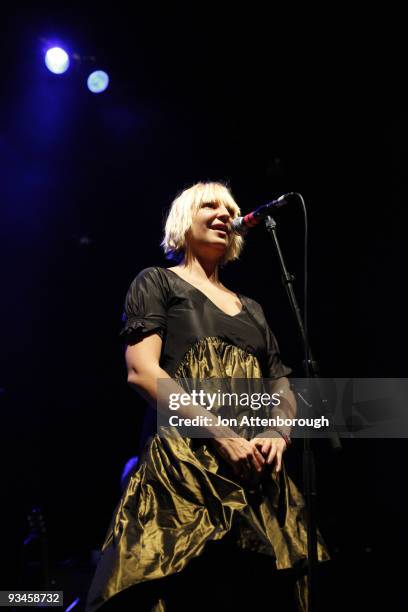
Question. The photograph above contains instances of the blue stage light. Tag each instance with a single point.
(57, 60)
(98, 81)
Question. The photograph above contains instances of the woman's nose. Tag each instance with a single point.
(223, 213)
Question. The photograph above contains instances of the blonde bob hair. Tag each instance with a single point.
(185, 207)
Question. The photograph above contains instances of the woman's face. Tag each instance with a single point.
(210, 231)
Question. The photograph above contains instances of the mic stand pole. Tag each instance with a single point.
(309, 475)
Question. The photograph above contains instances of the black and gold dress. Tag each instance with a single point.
(184, 497)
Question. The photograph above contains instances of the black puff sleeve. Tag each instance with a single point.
(145, 307)
(271, 363)
(274, 368)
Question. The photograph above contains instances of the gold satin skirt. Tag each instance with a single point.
(184, 496)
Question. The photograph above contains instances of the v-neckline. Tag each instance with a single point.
(208, 299)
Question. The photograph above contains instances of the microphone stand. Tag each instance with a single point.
(309, 473)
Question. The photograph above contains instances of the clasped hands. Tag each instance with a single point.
(250, 459)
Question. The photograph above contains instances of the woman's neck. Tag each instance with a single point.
(202, 270)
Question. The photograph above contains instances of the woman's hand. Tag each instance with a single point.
(271, 449)
(244, 457)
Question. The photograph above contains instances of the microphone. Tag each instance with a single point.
(241, 225)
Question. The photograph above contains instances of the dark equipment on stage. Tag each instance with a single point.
(241, 225)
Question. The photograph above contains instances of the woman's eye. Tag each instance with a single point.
(214, 205)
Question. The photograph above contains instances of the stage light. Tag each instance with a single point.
(98, 81)
(57, 60)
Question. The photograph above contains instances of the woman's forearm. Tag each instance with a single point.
(286, 409)
(156, 386)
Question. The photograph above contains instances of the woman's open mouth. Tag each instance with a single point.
(220, 228)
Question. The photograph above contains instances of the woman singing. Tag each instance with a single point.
(204, 523)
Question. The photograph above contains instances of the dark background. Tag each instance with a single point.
(245, 98)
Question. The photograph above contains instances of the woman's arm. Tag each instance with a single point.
(144, 371)
(272, 443)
